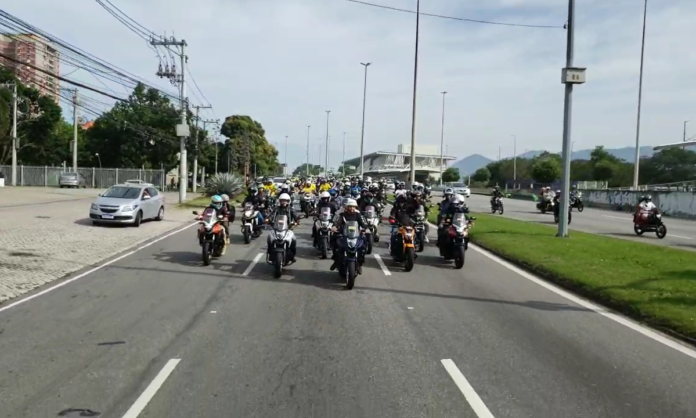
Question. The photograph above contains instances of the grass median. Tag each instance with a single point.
(654, 284)
(201, 202)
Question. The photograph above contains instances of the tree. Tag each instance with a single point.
(302, 170)
(546, 170)
(482, 175)
(604, 170)
(349, 170)
(247, 141)
(450, 175)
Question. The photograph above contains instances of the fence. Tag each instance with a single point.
(95, 177)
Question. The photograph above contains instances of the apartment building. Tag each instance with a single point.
(36, 52)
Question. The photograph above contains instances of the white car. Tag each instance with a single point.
(462, 189)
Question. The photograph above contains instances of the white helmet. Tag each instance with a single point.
(458, 198)
(351, 202)
(284, 196)
(324, 195)
(448, 190)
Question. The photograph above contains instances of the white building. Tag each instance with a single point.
(398, 164)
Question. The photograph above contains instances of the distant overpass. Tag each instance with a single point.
(676, 145)
(398, 164)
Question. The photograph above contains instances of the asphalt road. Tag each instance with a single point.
(681, 233)
(156, 334)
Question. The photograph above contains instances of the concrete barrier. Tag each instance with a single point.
(675, 204)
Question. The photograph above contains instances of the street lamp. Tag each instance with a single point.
(326, 161)
(684, 138)
(308, 126)
(514, 158)
(285, 171)
(362, 132)
(636, 163)
(442, 136)
(412, 175)
(96, 154)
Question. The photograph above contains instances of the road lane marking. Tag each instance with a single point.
(99, 267)
(382, 265)
(253, 263)
(152, 389)
(630, 219)
(480, 408)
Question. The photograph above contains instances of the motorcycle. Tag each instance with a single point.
(250, 223)
(404, 250)
(576, 202)
(557, 211)
(323, 235)
(279, 239)
(419, 222)
(643, 222)
(211, 234)
(353, 257)
(307, 204)
(457, 240)
(372, 234)
(497, 205)
(546, 204)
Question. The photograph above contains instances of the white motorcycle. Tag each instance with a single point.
(250, 223)
(323, 224)
(372, 233)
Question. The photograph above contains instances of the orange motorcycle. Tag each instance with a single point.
(211, 234)
(403, 250)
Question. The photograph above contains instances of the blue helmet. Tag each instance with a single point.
(216, 202)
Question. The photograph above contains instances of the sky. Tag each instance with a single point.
(284, 63)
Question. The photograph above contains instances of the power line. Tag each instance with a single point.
(462, 19)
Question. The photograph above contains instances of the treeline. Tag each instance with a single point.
(667, 166)
(139, 132)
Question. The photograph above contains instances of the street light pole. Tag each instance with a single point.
(684, 139)
(308, 126)
(514, 158)
(285, 173)
(362, 132)
(636, 164)
(343, 163)
(442, 136)
(412, 175)
(326, 160)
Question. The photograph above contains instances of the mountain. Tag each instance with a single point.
(470, 164)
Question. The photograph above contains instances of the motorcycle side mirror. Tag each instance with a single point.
(195, 212)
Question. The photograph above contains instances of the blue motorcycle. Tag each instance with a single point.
(352, 248)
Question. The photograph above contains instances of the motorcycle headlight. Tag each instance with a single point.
(352, 242)
(208, 226)
(420, 218)
(324, 224)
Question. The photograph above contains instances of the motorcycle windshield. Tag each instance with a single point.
(420, 211)
(325, 214)
(459, 220)
(209, 215)
(281, 223)
(351, 230)
(370, 212)
(248, 207)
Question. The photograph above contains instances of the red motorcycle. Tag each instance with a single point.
(649, 222)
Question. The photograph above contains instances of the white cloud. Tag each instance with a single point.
(285, 62)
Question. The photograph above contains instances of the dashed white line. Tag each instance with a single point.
(480, 408)
(382, 265)
(253, 263)
(88, 272)
(152, 389)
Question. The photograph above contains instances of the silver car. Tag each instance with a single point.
(462, 189)
(75, 180)
(128, 204)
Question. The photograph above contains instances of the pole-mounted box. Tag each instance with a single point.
(573, 75)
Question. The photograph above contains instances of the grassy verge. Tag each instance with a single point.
(654, 284)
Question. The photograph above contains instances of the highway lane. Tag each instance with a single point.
(301, 346)
(681, 233)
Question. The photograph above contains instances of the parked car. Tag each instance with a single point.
(128, 204)
(75, 180)
(462, 189)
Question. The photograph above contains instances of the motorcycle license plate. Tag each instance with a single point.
(107, 216)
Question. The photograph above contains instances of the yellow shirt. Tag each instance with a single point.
(270, 189)
(325, 187)
(310, 189)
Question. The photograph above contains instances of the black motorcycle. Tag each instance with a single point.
(576, 203)
(419, 221)
(279, 244)
(322, 237)
(456, 239)
(497, 205)
(352, 253)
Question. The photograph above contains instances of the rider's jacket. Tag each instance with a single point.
(284, 210)
(329, 204)
(349, 217)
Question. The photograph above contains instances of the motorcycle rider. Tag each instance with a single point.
(258, 200)
(217, 204)
(324, 202)
(645, 205)
(400, 214)
(457, 205)
(350, 214)
(284, 208)
(415, 202)
(444, 205)
(368, 199)
(496, 194)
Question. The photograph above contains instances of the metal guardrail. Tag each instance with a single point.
(95, 177)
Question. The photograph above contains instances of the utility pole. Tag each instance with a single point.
(182, 130)
(636, 163)
(75, 122)
(195, 148)
(15, 142)
(569, 76)
(412, 175)
(684, 138)
(205, 127)
(343, 163)
(514, 158)
(442, 137)
(362, 131)
(308, 126)
(326, 161)
(285, 171)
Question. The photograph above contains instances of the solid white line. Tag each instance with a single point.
(88, 272)
(382, 265)
(480, 408)
(253, 263)
(587, 304)
(152, 389)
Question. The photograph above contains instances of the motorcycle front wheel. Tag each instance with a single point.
(247, 236)
(459, 257)
(410, 257)
(581, 206)
(350, 275)
(278, 264)
(206, 249)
